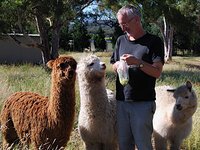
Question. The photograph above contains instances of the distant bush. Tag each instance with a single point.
(99, 40)
(81, 38)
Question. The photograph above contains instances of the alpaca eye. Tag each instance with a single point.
(63, 65)
(186, 97)
(72, 65)
(91, 64)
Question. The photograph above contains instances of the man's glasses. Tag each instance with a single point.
(126, 24)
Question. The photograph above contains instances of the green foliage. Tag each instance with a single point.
(152, 28)
(99, 40)
(182, 14)
(80, 36)
(45, 17)
(117, 32)
(65, 36)
(196, 44)
(3, 27)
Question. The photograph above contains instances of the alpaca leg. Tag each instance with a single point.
(159, 142)
(175, 144)
(93, 146)
(6, 145)
(110, 146)
(9, 135)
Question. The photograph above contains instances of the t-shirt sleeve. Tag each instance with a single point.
(158, 51)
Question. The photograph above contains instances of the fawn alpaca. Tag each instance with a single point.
(45, 123)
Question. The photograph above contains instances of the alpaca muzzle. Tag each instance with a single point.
(179, 107)
(103, 65)
(71, 74)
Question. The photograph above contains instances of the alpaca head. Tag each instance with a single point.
(91, 68)
(63, 68)
(185, 97)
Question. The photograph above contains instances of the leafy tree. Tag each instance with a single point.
(80, 36)
(181, 41)
(117, 32)
(65, 38)
(47, 20)
(195, 44)
(169, 16)
(99, 40)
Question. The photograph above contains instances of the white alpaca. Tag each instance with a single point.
(97, 117)
(173, 117)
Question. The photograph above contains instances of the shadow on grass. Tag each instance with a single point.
(178, 77)
(193, 66)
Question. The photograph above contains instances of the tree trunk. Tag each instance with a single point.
(170, 42)
(57, 24)
(167, 32)
(55, 39)
(168, 35)
(44, 42)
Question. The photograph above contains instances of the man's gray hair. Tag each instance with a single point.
(130, 11)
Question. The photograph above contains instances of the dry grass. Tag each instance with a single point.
(36, 79)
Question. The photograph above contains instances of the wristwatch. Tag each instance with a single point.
(141, 65)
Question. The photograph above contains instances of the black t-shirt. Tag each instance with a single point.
(141, 87)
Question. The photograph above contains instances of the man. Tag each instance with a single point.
(144, 54)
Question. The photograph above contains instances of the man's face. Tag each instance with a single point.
(125, 23)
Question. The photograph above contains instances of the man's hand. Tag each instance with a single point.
(115, 66)
(153, 70)
(130, 59)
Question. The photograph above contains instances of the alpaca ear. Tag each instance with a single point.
(50, 63)
(189, 85)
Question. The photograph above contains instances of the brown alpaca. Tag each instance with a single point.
(45, 123)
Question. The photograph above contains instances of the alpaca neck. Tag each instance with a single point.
(62, 99)
(182, 116)
(93, 93)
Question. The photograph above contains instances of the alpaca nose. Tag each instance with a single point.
(179, 107)
(103, 65)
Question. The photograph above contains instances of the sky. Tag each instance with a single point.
(94, 6)
(91, 7)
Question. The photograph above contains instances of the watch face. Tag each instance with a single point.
(141, 65)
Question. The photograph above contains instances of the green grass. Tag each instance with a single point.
(34, 78)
